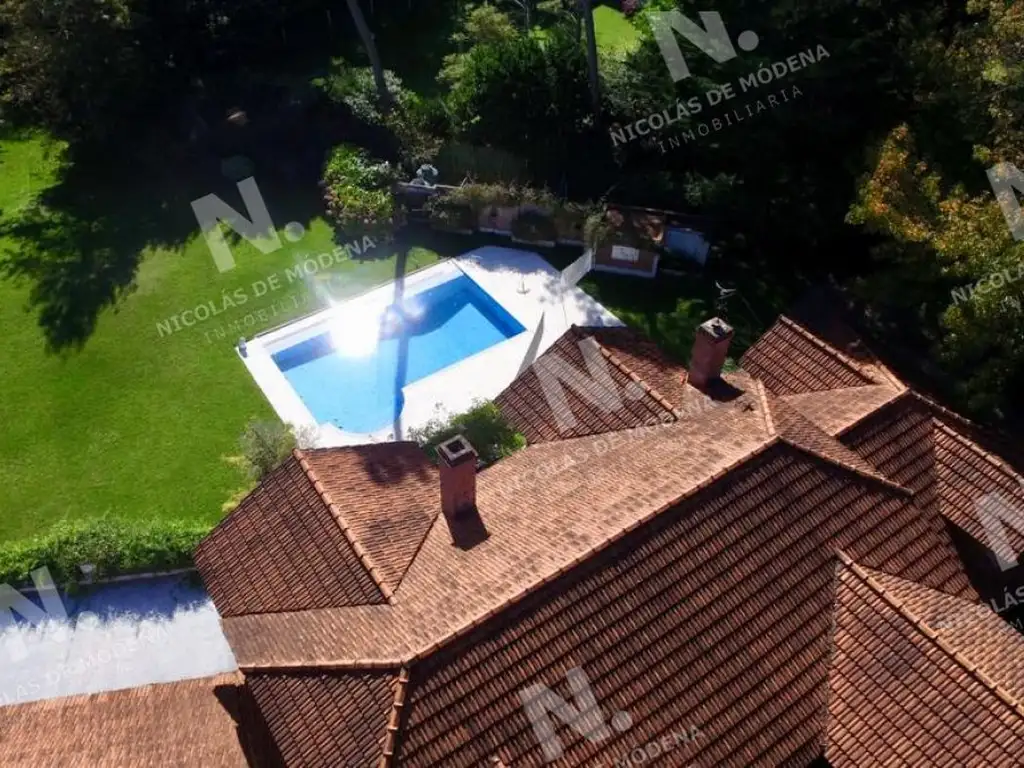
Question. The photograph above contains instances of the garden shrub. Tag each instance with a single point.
(114, 546)
(598, 231)
(483, 425)
(419, 126)
(265, 444)
(357, 190)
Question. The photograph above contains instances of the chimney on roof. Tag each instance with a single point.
(709, 351)
(458, 491)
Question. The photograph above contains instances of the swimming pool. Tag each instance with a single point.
(352, 374)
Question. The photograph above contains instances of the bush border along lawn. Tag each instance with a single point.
(115, 547)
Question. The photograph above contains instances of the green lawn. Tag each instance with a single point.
(137, 422)
(613, 31)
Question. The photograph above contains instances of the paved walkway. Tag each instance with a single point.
(113, 636)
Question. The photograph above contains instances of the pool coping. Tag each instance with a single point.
(500, 272)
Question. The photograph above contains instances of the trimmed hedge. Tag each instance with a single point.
(115, 547)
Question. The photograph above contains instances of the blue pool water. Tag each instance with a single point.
(352, 375)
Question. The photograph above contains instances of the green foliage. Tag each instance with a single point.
(356, 89)
(74, 67)
(418, 125)
(597, 231)
(942, 240)
(480, 197)
(265, 444)
(450, 214)
(480, 25)
(357, 191)
(113, 545)
(942, 230)
(483, 425)
(523, 96)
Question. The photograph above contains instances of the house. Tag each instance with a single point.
(779, 565)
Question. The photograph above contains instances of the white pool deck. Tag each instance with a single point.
(503, 273)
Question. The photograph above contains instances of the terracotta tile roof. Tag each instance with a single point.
(918, 447)
(836, 410)
(385, 495)
(546, 508)
(790, 360)
(972, 629)
(689, 568)
(641, 355)
(799, 431)
(328, 528)
(900, 695)
(282, 550)
(720, 605)
(319, 719)
(525, 404)
(209, 722)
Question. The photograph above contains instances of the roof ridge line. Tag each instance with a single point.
(339, 518)
(394, 718)
(991, 458)
(842, 356)
(648, 389)
(769, 422)
(973, 669)
(946, 411)
(879, 478)
(896, 397)
(588, 554)
(335, 665)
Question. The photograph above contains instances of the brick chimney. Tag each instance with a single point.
(709, 350)
(457, 467)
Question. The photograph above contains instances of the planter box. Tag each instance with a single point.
(501, 223)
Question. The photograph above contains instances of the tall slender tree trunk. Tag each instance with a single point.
(595, 84)
(371, 50)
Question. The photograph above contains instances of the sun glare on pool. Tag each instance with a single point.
(355, 334)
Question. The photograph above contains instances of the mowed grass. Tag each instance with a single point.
(136, 424)
(614, 33)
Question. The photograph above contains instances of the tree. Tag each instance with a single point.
(371, 51)
(481, 25)
(525, 97)
(949, 267)
(595, 84)
(77, 68)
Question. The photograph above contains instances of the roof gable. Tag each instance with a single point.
(589, 376)
(790, 360)
(384, 496)
(898, 694)
(281, 549)
(912, 442)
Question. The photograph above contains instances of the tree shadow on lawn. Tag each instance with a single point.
(78, 247)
